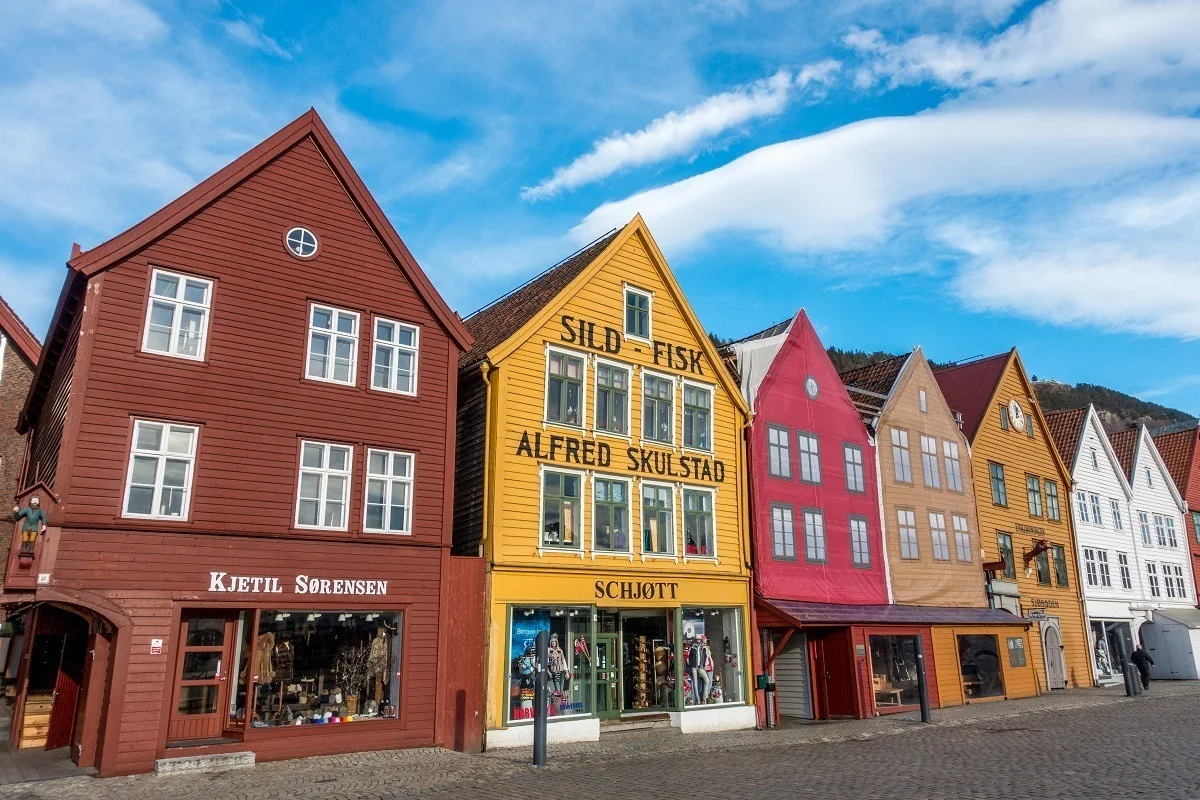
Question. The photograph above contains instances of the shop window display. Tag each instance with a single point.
(894, 670)
(311, 667)
(712, 657)
(569, 688)
(979, 657)
(648, 659)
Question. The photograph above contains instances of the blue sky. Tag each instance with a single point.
(964, 175)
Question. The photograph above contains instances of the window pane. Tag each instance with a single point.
(339, 458)
(149, 436)
(335, 488)
(318, 357)
(404, 371)
(374, 519)
(376, 490)
(313, 455)
(162, 317)
(195, 292)
(377, 463)
(386, 331)
(166, 286)
(713, 665)
(333, 514)
(322, 318)
(145, 468)
(175, 473)
(401, 465)
(307, 512)
(198, 699)
(141, 500)
(179, 440)
(310, 485)
(382, 375)
(346, 323)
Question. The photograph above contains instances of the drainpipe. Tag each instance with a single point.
(887, 567)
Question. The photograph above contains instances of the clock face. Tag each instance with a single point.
(1016, 414)
(810, 386)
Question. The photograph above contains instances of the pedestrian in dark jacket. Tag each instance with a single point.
(1142, 660)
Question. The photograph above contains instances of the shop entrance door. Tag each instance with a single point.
(833, 671)
(608, 677)
(1056, 670)
(200, 704)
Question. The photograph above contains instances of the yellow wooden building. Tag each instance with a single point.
(1022, 490)
(600, 472)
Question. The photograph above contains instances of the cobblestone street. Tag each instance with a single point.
(1081, 744)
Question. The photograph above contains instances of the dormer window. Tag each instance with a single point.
(177, 321)
(637, 313)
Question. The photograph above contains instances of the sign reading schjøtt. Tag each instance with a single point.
(302, 584)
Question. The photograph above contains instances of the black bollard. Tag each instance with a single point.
(922, 688)
(1127, 670)
(541, 709)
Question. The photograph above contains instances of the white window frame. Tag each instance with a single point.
(388, 480)
(1097, 513)
(578, 547)
(1105, 569)
(334, 334)
(712, 493)
(161, 455)
(629, 531)
(676, 401)
(1124, 571)
(712, 399)
(950, 454)
(962, 538)
(670, 487)
(814, 455)
(923, 401)
(906, 521)
(583, 388)
(1160, 530)
(1152, 579)
(854, 542)
(626, 288)
(938, 537)
(324, 473)
(178, 304)
(820, 536)
(1095, 460)
(1091, 571)
(855, 470)
(1144, 528)
(1081, 505)
(929, 462)
(630, 371)
(1172, 539)
(901, 456)
(396, 349)
(1115, 505)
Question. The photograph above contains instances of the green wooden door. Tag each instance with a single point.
(608, 677)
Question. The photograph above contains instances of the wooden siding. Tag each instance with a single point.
(16, 374)
(464, 592)
(1154, 496)
(1018, 681)
(925, 580)
(1022, 456)
(783, 402)
(470, 467)
(45, 439)
(249, 396)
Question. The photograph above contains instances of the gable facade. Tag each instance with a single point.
(1157, 513)
(1185, 468)
(612, 511)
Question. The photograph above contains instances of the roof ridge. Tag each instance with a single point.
(970, 362)
(873, 364)
(23, 337)
(758, 334)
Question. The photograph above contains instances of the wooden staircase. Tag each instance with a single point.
(36, 723)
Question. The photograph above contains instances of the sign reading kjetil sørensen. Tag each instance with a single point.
(302, 584)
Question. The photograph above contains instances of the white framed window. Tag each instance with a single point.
(566, 373)
(937, 535)
(1152, 579)
(562, 509)
(324, 493)
(658, 408)
(1160, 529)
(1097, 517)
(1081, 506)
(1089, 561)
(1102, 563)
(699, 534)
(332, 345)
(1169, 522)
(908, 533)
(855, 479)
(1033, 488)
(1149, 478)
(962, 538)
(810, 457)
(1095, 460)
(783, 532)
(638, 306)
(394, 358)
(612, 398)
(1115, 507)
(923, 401)
(610, 515)
(1180, 584)
(929, 462)
(953, 466)
(1123, 567)
(301, 242)
(779, 455)
(901, 459)
(860, 542)
(158, 484)
(1144, 527)
(697, 416)
(389, 497)
(1168, 580)
(658, 519)
(177, 318)
(814, 536)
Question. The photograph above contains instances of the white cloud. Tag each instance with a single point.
(249, 31)
(122, 20)
(1096, 38)
(848, 188)
(681, 133)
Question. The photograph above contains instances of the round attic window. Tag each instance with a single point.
(301, 242)
(811, 387)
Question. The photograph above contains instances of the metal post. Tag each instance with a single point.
(541, 709)
(1127, 670)
(922, 687)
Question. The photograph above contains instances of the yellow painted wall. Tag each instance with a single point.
(1018, 681)
(522, 571)
(1022, 456)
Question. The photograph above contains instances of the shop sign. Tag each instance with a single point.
(636, 590)
(1036, 531)
(583, 333)
(591, 453)
(1038, 602)
(1037, 615)
(301, 584)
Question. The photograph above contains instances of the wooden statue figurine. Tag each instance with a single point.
(34, 522)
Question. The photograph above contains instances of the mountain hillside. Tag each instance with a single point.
(1117, 409)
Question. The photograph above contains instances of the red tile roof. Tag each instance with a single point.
(495, 323)
(1124, 444)
(1066, 428)
(19, 334)
(877, 378)
(968, 388)
(1177, 449)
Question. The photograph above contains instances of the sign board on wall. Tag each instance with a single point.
(156, 646)
(1037, 615)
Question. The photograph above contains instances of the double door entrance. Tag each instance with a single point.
(634, 663)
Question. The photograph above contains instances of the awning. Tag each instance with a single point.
(804, 613)
(1184, 616)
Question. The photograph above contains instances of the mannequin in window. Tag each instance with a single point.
(556, 665)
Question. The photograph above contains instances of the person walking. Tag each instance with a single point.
(1142, 660)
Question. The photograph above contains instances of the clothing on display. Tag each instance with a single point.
(569, 675)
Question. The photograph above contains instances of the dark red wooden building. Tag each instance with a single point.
(242, 429)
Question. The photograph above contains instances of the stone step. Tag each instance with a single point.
(646, 725)
(215, 762)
